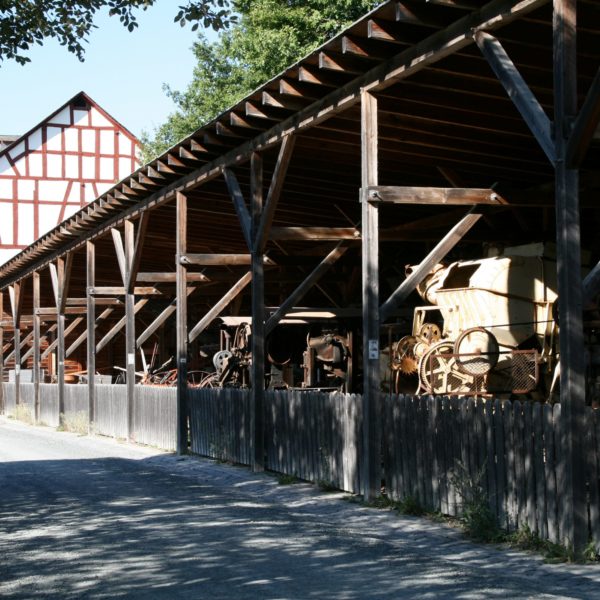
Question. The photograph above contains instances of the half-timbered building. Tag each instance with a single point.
(58, 166)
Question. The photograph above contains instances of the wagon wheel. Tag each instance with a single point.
(478, 351)
(439, 374)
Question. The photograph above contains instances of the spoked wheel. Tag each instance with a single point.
(439, 374)
(478, 351)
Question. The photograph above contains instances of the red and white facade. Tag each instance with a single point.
(65, 162)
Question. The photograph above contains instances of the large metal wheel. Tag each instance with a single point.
(439, 373)
(477, 351)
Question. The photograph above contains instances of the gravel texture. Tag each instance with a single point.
(85, 517)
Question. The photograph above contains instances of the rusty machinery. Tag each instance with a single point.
(305, 351)
(489, 328)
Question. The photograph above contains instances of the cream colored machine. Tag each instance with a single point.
(489, 327)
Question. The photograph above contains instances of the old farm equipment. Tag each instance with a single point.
(489, 326)
(307, 350)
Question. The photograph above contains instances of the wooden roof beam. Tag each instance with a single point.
(288, 87)
(417, 13)
(270, 113)
(330, 79)
(238, 120)
(367, 49)
(333, 61)
(279, 101)
(186, 154)
(387, 31)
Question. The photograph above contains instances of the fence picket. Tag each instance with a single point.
(542, 519)
(528, 468)
(594, 475)
(550, 473)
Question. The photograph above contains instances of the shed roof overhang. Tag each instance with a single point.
(444, 119)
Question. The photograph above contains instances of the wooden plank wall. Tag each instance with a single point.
(438, 450)
(155, 416)
(220, 424)
(76, 401)
(111, 411)
(315, 436)
(49, 404)
(9, 393)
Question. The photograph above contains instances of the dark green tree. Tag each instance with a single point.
(27, 22)
(269, 36)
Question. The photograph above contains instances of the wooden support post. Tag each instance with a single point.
(91, 332)
(14, 292)
(182, 334)
(60, 279)
(130, 352)
(371, 481)
(257, 376)
(36, 347)
(571, 477)
(1, 352)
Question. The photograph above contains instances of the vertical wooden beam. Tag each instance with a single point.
(130, 352)
(15, 302)
(91, 332)
(61, 271)
(371, 482)
(571, 477)
(36, 346)
(181, 318)
(1, 353)
(258, 320)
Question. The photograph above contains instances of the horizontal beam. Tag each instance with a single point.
(99, 302)
(220, 260)
(170, 277)
(121, 291)
(53, 311)
(431, 195)
(314, 233)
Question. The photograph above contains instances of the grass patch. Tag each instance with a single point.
(74, 422)
(478, 521)
(23, 413)
(284, 479)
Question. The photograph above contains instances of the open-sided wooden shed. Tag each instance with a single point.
(427, 127)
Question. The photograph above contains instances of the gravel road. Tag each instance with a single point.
(88, 517)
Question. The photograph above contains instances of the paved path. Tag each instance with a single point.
(90, 518)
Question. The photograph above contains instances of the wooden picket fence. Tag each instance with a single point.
(315, 436)
(437, 449)
(220, 424)
(154, 410)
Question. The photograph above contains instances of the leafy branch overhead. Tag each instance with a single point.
(28, 22)
(269, 36)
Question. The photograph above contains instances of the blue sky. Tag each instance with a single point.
(123, 72)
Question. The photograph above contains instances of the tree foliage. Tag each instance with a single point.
(27, 22)
(269, 36)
